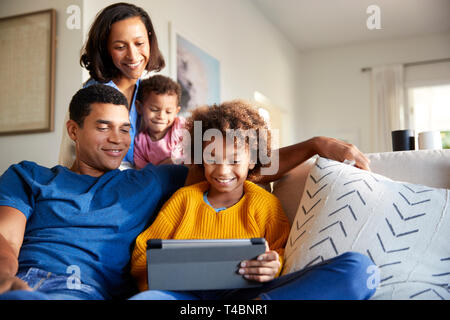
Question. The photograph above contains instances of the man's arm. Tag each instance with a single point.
(12, 229)
(292, 156)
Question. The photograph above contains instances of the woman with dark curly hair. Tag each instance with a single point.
(121, 45)
(228, 206)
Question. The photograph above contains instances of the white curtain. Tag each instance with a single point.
(389, 110)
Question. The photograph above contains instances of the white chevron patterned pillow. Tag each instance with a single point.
(404, 228)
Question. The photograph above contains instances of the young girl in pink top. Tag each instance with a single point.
(157, 103)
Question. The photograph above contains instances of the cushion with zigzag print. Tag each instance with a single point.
(404, 228)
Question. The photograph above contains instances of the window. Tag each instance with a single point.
(430, 110)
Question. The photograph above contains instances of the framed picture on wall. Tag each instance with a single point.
(196, 70)
(27, 72)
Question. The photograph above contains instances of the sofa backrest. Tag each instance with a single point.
(426, 167)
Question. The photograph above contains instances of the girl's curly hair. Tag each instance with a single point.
(242, 118)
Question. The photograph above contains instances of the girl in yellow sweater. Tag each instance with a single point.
(226, 205)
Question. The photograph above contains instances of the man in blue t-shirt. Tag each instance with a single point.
(68, 233)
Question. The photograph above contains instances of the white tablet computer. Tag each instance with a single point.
(200, 264)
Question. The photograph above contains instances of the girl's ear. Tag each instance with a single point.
(178, 109)
(72, 129)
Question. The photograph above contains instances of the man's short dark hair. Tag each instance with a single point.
(158, 84)
(80, 105)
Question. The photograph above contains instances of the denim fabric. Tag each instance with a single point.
(49, 286)
(342, 278)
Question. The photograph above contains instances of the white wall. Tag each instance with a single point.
(336, 94)
(43, 147)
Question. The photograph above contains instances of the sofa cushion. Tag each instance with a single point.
(404, 228)
(290, 187)
(427, 167)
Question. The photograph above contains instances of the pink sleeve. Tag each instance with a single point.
(177, 134)
(138, 153)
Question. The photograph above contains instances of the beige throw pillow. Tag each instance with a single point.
(404, 228)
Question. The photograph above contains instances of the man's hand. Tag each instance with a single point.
(8, 283)
(340, 151)
(263, 269)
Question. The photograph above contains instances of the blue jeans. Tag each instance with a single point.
(342, 278)
(49, 286)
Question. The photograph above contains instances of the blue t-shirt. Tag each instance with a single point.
(134, 116)
(84, 221)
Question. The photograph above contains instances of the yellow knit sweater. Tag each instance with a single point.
(186, 216)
